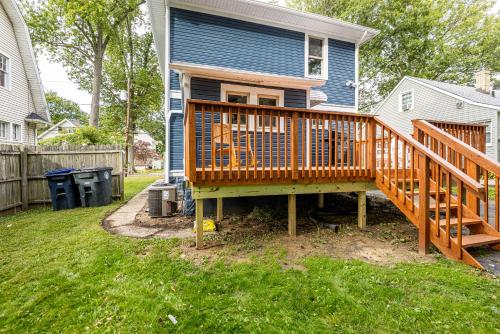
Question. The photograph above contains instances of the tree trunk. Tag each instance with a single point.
(96, 88)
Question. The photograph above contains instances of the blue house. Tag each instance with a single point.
(251, 52)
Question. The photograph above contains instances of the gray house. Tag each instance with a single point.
(415, 98)
(23, 108)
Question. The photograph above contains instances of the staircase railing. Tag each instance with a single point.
(469, 160)
(471, 134)
(427, 188)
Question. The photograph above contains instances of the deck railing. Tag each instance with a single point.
(471, 134)
(229, 143)
(469, 160)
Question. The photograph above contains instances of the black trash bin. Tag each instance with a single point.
(94, 186)
(62, 189)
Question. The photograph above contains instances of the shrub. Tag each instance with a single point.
(87, 135)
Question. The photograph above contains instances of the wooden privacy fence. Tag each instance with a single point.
(23, 168)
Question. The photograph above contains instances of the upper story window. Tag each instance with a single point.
(4, 130)
(488, 133)
(4, 71)
(317, 57)
(406, 100)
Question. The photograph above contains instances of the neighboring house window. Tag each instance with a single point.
(4, 71)
(406, 100)
(316, 53)
(488, 133)
(16, 132)
(4, 130)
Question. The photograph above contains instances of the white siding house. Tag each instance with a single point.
(22, 101)
(415, 98)
(63, 127)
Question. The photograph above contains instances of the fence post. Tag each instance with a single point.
(23, 162)
(423, 206)
(122, 175)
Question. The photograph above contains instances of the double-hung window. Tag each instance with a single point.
(16, 132)
(488, 132)
(316, 53)
(4, 71)
(406, 100)
(4, 130)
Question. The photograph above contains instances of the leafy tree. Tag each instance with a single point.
(143, 152)
(61, 108)
(132, 66)
(446, 40)
(87, 135)
(77, 33)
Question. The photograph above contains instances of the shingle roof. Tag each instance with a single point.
(469, 93)
(35, 117)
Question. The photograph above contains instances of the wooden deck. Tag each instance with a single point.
(437, 180)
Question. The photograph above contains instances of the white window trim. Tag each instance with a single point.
(324, 68)
(486, 123)
(400, 99)
(12, 127)
(7, 131)
(9, 71)
(254, 93)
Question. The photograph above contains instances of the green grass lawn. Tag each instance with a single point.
(61, 272)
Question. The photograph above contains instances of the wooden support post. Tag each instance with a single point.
(24, 178)
(220, 210)
(199, 223)
(362, 209)
(423, 207)
(321, 200)
(292, 215)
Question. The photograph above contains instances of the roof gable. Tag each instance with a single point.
(28, 57)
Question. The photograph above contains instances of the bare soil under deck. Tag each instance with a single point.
(388, 239)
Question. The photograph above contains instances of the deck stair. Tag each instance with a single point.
(437, 181)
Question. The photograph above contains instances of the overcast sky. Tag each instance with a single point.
(54, 78)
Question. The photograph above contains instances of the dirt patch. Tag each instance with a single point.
(175, 222)
(388, 239)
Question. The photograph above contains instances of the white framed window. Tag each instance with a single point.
(406, 100)
(5, 71)
(257, 96)
(316, 52)
(4, 130)
(16, 132)
(489, 140)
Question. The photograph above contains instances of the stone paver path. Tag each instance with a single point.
(122, 222)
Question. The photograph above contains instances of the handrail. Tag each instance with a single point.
(468, 151)
(475, 186)
(277, 109)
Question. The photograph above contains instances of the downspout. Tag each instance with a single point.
(167, 92)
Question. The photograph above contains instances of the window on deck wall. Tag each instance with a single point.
(488, 133)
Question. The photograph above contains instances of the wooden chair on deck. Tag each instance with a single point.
(223, 136)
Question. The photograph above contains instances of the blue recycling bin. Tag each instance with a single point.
(62, 189)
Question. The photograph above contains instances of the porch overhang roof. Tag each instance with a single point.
(235, 75)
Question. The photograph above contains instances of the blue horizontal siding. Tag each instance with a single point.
(219, 41)
(176, 145)
(341, 68)
(175, 104)
(174, 81)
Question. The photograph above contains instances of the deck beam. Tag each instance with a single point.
(280, 189)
